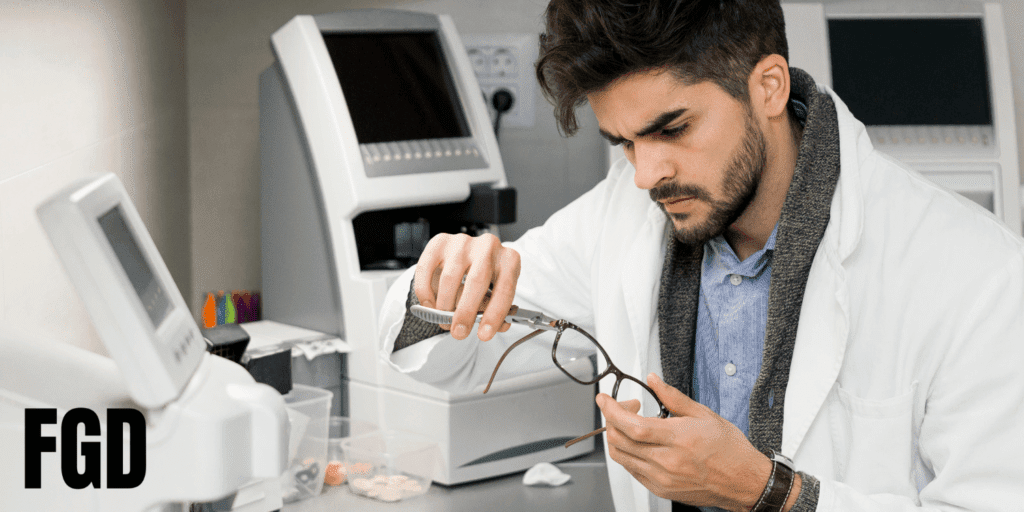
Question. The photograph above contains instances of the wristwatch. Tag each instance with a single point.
(780, 484)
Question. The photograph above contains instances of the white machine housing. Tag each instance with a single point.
(978, 161)
(98, 235)
(317, 177)
(222, 435)
(210, 429)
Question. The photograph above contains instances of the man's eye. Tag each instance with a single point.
(671, 133)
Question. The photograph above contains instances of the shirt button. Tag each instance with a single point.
(736, 279)
(730, 369)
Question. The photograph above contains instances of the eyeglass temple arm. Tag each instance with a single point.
(585, 437)
(509, 349)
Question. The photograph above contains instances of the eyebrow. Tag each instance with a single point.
(654, 126)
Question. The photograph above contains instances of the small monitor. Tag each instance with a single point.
(407, 88)
(397, 85)
(912, 71)
(126, 288)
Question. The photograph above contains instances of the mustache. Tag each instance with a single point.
(672, 190)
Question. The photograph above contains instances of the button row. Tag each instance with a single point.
(417, 150)
(981, 136)
(182, 348)
(983, 140)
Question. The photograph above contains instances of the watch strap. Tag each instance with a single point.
(780, 485)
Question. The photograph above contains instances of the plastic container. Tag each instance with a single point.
(309, 409)
(342, 428)
(390, 465)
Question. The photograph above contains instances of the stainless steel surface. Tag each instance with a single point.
(587, 490)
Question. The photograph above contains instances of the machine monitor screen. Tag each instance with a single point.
(148, 288)
(921, 71)
(397, 86)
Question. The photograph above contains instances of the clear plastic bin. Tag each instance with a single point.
(342, 428)
(390, 465)
(309, 409)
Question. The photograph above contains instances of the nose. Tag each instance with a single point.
(651, 165)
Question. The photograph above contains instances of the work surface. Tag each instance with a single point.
(587, 491)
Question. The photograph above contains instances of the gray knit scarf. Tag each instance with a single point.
(805, 215)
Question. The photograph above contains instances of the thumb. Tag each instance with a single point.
(675, 401)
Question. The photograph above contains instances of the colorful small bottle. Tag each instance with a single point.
(209, 311)
(229, 309)
(220, 307)
(241, 310)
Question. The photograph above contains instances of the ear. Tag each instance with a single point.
(769, 87)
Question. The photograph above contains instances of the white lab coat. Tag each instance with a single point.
(906, 387)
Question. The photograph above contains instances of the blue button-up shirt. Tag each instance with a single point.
(731, 317)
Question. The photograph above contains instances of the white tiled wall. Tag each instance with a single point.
(87, 87)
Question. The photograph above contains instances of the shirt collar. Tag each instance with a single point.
(720, 260)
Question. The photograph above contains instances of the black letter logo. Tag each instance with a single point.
(69, 449)
(36, 444)
(116, 478)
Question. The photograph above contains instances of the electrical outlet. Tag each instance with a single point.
(506, 61)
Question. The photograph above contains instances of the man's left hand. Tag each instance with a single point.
(694, 457)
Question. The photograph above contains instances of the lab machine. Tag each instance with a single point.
(209, 429)
(374, 136)
(930, 80)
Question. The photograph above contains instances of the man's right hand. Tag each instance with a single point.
(490, 271)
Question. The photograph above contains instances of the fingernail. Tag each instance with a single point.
(485, 332)
(652, 377)
(460, 331)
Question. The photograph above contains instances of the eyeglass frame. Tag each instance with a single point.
(560, 326)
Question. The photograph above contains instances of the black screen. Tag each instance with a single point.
(911, 71)
(397, 86)
(152, 295)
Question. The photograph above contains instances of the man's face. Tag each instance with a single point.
(697, 150)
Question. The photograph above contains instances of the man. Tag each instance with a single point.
(798, 292)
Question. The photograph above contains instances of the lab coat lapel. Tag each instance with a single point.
(825, 314)
(640, 274)
(819, 349)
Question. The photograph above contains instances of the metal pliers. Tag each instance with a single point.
(516, 316)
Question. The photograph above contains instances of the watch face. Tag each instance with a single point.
(782, 459)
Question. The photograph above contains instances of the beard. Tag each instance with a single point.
(742, 176)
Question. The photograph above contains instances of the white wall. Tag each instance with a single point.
(228, 47)
(87, 87)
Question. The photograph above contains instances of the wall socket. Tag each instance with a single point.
(506, 61)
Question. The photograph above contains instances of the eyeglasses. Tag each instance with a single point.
(564, 355)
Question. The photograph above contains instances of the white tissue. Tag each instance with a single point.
(545, 473)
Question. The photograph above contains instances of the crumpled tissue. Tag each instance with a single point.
(545, 473)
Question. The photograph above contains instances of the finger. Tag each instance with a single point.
(637, 429)
(632, 406)
(675, 401)
(429, 262)
(453, 268)
(633, 455)
(636, 465)
(506, 275)
(475, 287)
(616, 415)
(639, 468)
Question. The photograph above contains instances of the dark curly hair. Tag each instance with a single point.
(587, 44)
